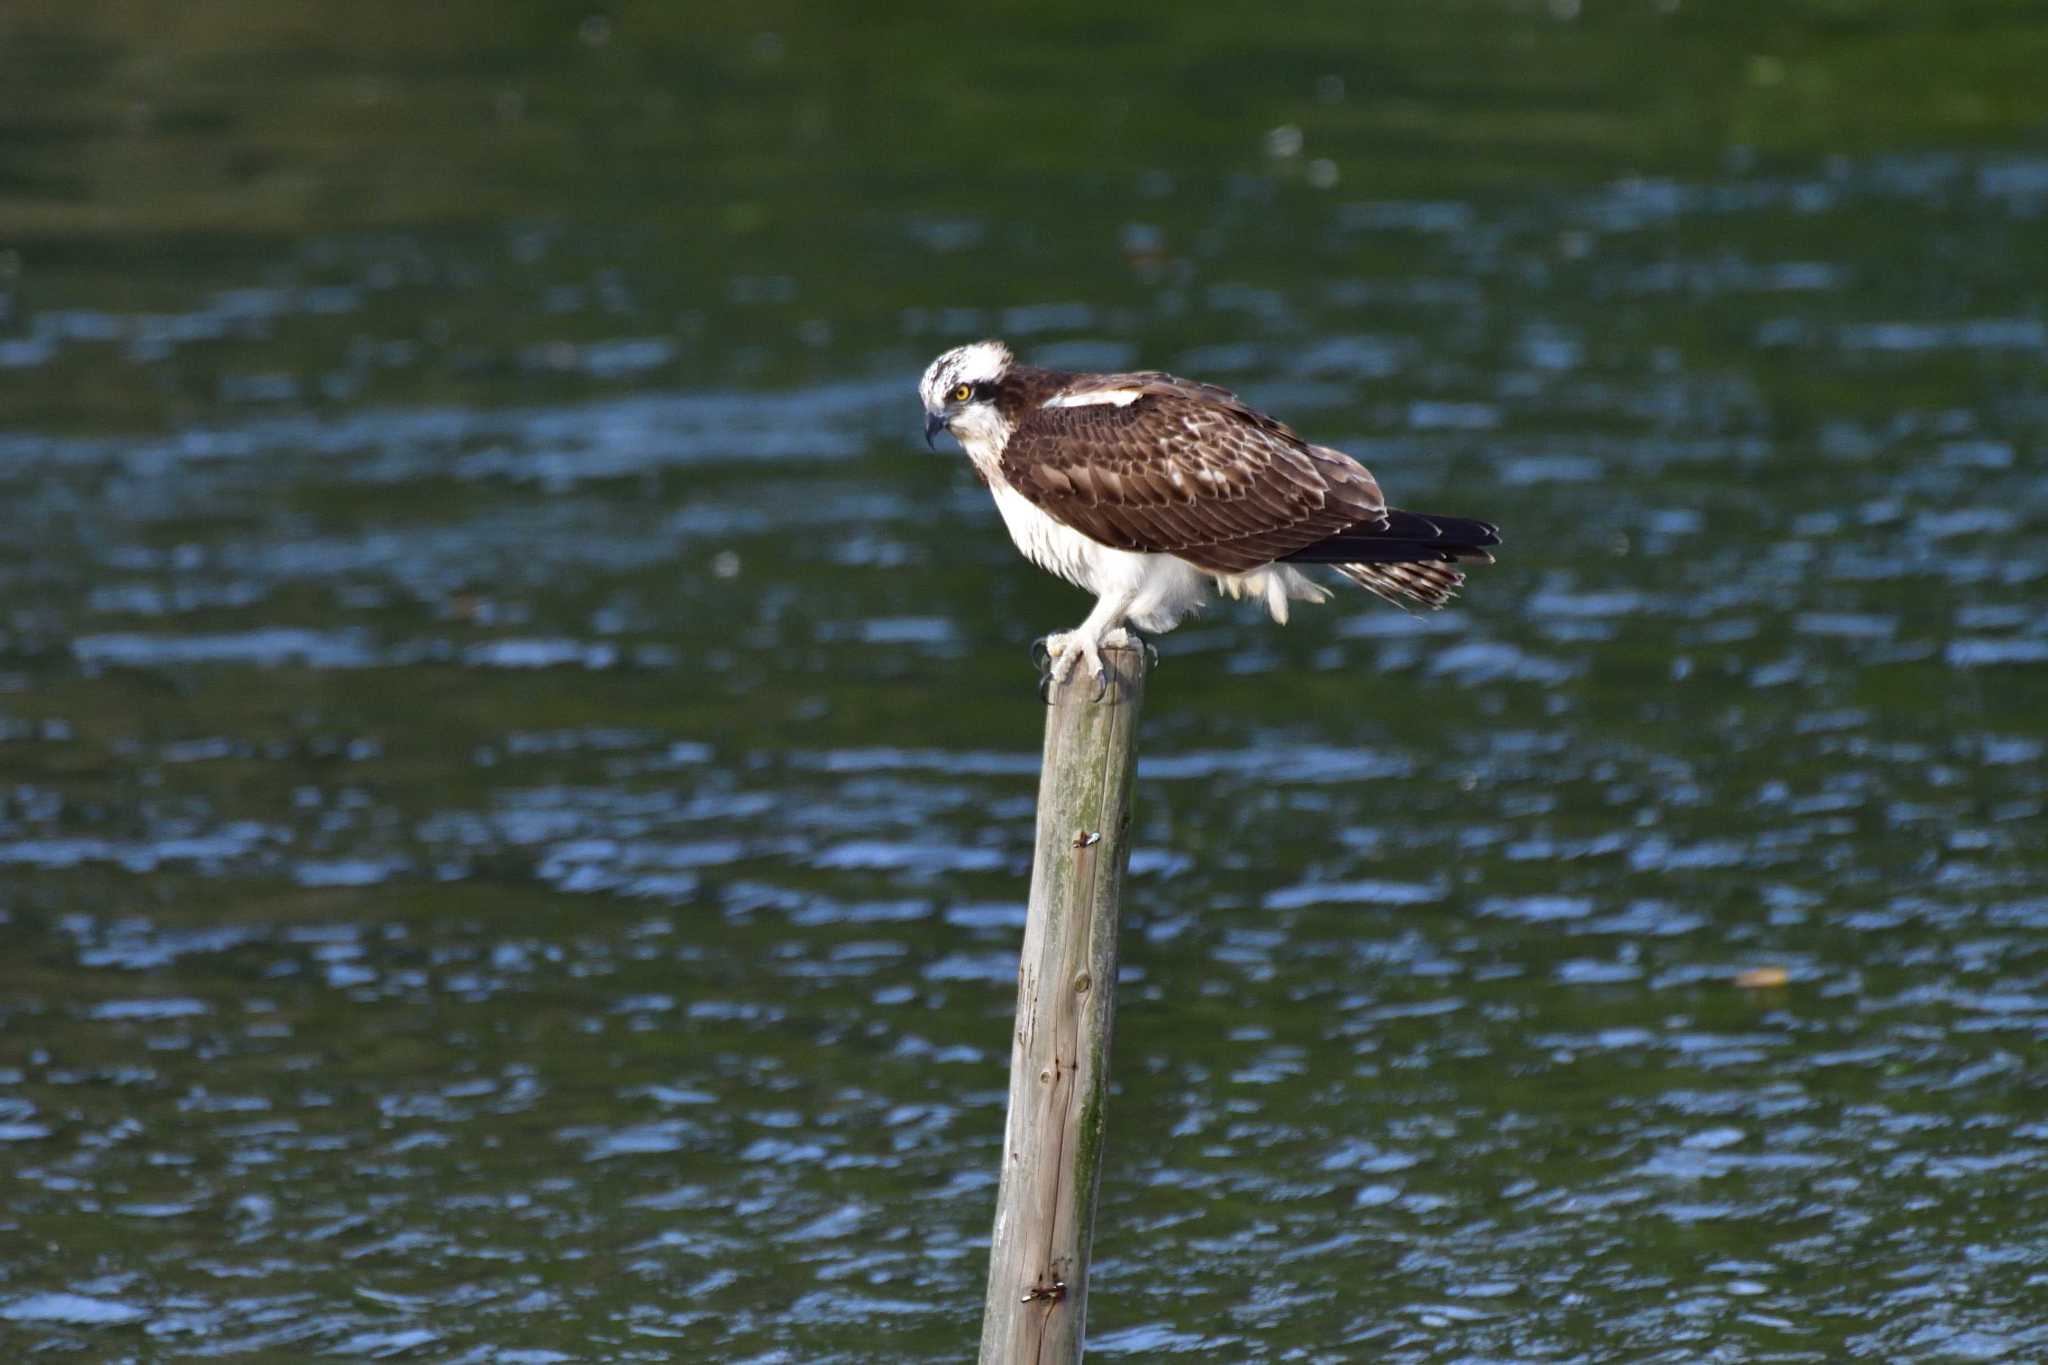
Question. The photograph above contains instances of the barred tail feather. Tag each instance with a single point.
(1426, 585)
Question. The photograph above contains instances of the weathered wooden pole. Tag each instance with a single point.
(1066, 1010)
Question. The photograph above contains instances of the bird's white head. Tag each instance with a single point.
(958, 392)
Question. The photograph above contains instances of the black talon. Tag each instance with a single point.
(1041, 659)
(1101, 685)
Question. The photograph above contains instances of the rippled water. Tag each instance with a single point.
(518, 778)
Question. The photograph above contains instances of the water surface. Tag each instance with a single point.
(518, 766)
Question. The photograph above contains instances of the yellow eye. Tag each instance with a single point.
(963, 393)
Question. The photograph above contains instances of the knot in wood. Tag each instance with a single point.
(1044, 1292)
(1082, 983)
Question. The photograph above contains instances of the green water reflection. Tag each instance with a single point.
(515, 766)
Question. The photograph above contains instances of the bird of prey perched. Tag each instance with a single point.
(1145, 489)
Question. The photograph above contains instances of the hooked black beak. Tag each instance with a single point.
(933, 425)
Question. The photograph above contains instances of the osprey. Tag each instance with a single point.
(1145, 489)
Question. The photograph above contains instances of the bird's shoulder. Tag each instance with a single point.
(1143, 418)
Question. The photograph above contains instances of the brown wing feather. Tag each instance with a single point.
(1186, 469)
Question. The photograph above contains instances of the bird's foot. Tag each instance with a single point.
(1059, 654)
(1066, 650)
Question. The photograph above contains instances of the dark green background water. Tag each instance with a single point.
(516, 766)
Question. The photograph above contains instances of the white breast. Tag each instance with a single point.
(1051, 544)
(1159, 588)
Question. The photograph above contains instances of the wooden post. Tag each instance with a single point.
(1066, 1009)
